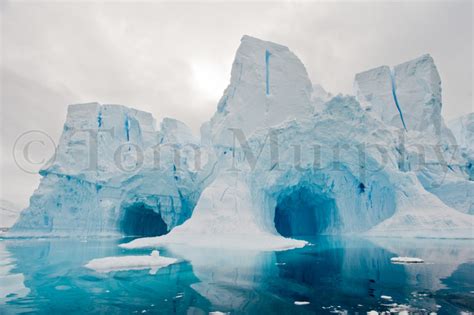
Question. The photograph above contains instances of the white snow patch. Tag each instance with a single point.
(301, 302)
(224, 217)
(120, 263)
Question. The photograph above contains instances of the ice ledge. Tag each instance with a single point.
(252, 242)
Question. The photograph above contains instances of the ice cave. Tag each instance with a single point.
(141, 220)
(302, 211)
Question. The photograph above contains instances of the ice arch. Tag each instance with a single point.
(326, 201)
(141, 220)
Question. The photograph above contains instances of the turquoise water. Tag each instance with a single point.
(47, 276)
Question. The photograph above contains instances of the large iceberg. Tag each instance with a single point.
(408, 97)
(113, 173)
(279, 159)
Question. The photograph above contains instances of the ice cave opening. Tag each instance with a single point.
(141, 220)
(303, 211)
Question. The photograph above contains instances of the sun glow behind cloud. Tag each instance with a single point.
(209, 79)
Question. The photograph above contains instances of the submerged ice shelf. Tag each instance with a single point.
(264, 169)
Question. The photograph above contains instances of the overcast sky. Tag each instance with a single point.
(174, 59)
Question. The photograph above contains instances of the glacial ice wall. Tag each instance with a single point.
(280, 158)
(408, 97)
(268, 85)
(111, 163)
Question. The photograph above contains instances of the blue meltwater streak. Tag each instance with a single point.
(127, 128)
(99, 119)
(396, 100)
(267, 72)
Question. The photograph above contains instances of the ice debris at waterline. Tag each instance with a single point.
(278, 159)
(301, 303)
(120, 263)
(406, 260)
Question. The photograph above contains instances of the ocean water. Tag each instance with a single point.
(336, 275)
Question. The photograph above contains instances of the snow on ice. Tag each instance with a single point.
(264, 169)
(153, 261)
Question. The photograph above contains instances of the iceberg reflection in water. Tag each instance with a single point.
(335, 273)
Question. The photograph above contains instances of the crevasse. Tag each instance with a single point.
(394, 93)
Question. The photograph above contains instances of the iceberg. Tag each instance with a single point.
(280, 158)
(301, 303)
(408, 97)
(223, 217)
(268, 85)
(114, 172)
(120, 263)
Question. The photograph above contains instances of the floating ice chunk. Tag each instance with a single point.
(386, 297)
(406, 260)
(301, 302)
(108, 264)
(372, 313)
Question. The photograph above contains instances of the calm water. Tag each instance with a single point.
(336, 274)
